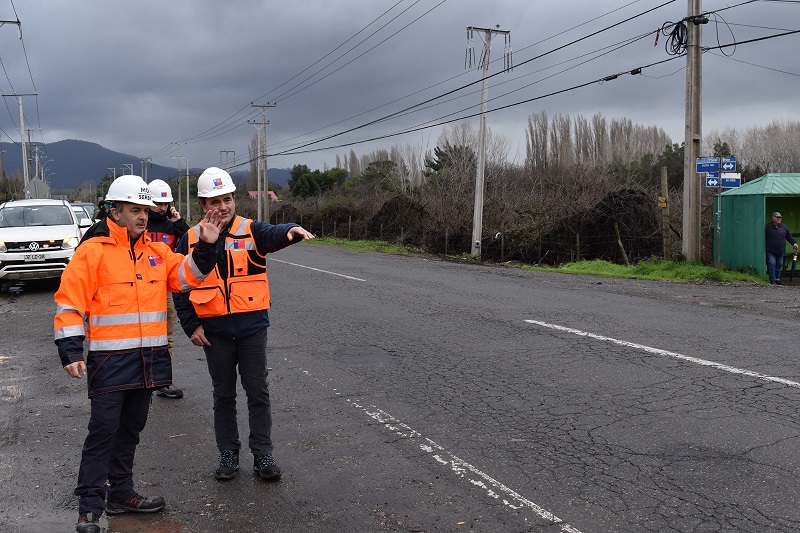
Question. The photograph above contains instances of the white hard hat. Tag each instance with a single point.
(131, 189)
(214, 182)
(161, 191)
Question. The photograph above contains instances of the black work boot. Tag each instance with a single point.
(136, 504)
(228, 464)
(88, 523)
(265, 468)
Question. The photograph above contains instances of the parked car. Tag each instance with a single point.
(89, 208)
(82, 216)
(37, 238)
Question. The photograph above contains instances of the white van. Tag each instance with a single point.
(37, 238)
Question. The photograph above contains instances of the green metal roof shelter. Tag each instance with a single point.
(745, 213)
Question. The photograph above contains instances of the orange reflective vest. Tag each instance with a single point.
(117, 295)
(238, 283)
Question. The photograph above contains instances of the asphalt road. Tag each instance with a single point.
(418, 395)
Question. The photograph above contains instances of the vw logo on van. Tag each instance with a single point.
(34, 246)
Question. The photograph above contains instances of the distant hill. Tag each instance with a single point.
(74, 163)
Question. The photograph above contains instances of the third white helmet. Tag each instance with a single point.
(161, 191)
(214, 182)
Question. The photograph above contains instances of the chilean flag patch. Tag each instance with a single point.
(238, 244)
(217, 182)
(155, 260)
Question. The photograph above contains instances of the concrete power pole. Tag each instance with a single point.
(694, 95)
(258, 126)
(226, 152)
(262, 155)
(144, 161)
(477, 223)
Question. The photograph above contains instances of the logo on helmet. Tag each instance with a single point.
(217, 182)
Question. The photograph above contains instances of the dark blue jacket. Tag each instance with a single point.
(268, 238)
(777, 237)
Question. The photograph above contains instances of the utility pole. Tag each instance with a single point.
(178, 157)
(477, 223)
(226, 152)
(263, 159)
(144, 161)
(188, 202)
(258, 126)
(694, 94)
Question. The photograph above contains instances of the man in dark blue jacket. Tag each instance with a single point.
(777, 236)
(227, 316)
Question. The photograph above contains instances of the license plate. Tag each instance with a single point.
(33, 257)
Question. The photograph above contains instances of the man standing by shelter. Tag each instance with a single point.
(777, 235)
(227, 316)
(114, 291)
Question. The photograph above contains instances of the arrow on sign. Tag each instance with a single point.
(712, 182)
(728, 166)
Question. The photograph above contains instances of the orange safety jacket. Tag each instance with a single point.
(238, 283)
(115, 295)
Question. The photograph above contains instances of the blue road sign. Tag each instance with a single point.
(707, 164)
(729, 164)
(731, 181)
(712, 182)
(711, 164)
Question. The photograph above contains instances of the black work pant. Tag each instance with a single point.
(116, 420)
(249, 356)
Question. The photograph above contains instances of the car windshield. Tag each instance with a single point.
(35, 215)
(81, 214)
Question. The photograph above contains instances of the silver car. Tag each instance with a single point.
(37, 238)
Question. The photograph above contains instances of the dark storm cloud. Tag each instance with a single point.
(138, 76)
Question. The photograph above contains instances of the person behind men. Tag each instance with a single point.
(227, 316)
(777, 235)
(114, 291)
(166, 225)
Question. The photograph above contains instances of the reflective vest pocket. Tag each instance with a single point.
(249, 295)
(208, 302)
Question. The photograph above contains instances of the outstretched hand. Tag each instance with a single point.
(211, 226)
(299, 232)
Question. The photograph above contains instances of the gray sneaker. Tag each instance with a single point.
(170, 392)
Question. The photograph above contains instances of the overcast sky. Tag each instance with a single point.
(138, 77)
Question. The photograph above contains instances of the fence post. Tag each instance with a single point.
(578, 243)
(334, 228)
(322, 231)
(349, 223)
(446, 236)
(381, 236)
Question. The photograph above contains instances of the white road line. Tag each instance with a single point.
(317, 269)
(657, 351)
(462, 469)
(511, 499)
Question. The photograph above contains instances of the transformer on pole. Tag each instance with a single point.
(477, 223)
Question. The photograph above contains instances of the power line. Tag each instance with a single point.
(207, 134)
(392, 115)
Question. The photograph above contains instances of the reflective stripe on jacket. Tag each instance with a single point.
(238, 284)
(115, 295)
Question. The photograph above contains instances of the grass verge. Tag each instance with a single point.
(651, 269)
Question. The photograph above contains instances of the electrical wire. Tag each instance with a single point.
(610, 77)
(392, 115)
(213, 131)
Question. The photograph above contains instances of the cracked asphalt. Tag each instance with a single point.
(410, 394)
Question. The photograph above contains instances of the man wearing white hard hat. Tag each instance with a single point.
(227, 316)
(114, 294)
(166, 225)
